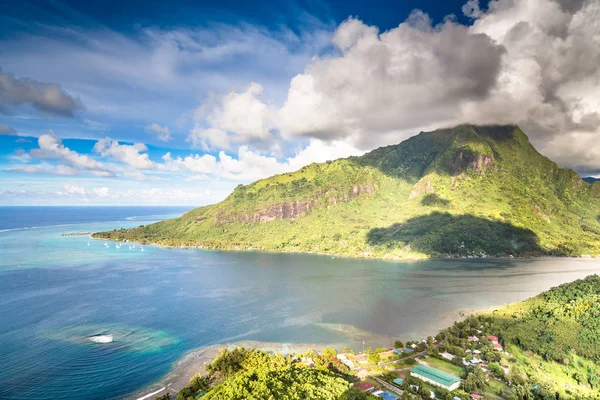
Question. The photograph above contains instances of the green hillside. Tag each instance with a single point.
(463, 191)
(553, 342)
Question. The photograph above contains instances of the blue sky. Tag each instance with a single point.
(152, 102)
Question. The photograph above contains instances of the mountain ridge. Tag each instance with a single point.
(485, 187)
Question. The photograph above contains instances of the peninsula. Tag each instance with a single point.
(468, 191)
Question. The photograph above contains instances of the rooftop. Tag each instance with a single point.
(364, 386)
(436, 375)
(398, 381)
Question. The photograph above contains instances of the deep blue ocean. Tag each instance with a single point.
(57, 291)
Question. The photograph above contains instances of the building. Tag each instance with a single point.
(473, 339)
(493, 339)
(362, 374)
(447, 356)
(475, 396)
(345, 361)
(365, 386)
(398, 351)
(435, 377)
(398, 381)
(498, 346)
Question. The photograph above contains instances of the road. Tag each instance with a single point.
(388, 386)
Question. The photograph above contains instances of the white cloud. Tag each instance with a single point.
(72, 190)
(133, 155)
(382, 87)
(138, 176)
(533, 63)
(101, 192)
(162, 133)
(233, 119)
(205, 164)
(45, 169)
(50, 146)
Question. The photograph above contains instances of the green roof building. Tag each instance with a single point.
(435, 377)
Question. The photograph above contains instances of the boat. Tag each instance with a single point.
(102, 338)
(142, 248)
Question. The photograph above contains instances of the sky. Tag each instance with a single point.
(176, 103)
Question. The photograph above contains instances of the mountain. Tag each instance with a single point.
(590, 179)
(468, 190)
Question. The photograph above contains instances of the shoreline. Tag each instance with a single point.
(345, 256)
(196, 360)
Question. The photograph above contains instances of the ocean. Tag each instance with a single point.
(158, 304)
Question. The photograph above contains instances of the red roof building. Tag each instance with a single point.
(364, 386)
(475, 396)
(494, 339)
(498, 346)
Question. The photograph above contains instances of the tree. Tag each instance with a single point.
(374, 357)
(398, 344)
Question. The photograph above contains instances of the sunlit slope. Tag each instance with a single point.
(461, 191)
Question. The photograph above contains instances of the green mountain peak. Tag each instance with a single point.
(463, 191)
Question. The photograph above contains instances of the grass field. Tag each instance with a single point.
(445, 366)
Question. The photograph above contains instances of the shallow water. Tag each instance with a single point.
(56, 291)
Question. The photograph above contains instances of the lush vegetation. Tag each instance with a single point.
(551, 352)
(465, 191)
(253, 374)
(552, 342)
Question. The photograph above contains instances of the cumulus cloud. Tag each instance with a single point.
(133, 155)
(233, 119)
(51, 146)
(384, 84)
(205, 164)
(6, 129)
(72, 190)
(47, 98)
(162, 133)
(248, 165)
(530, 63)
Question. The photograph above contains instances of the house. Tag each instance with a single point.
(447, 356)
(473, 339)
(345, 360)
(498, 346)
(408, 350)
(476, 352)
(398, 381)
(365, 386)
(476, 360)
(475, 396)
(413, 345)
(308, 361)
(493, 339)
(398, 351)
(435, 377)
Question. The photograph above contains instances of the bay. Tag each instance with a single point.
(158, 304)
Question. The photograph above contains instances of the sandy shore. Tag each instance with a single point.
(196, 361)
